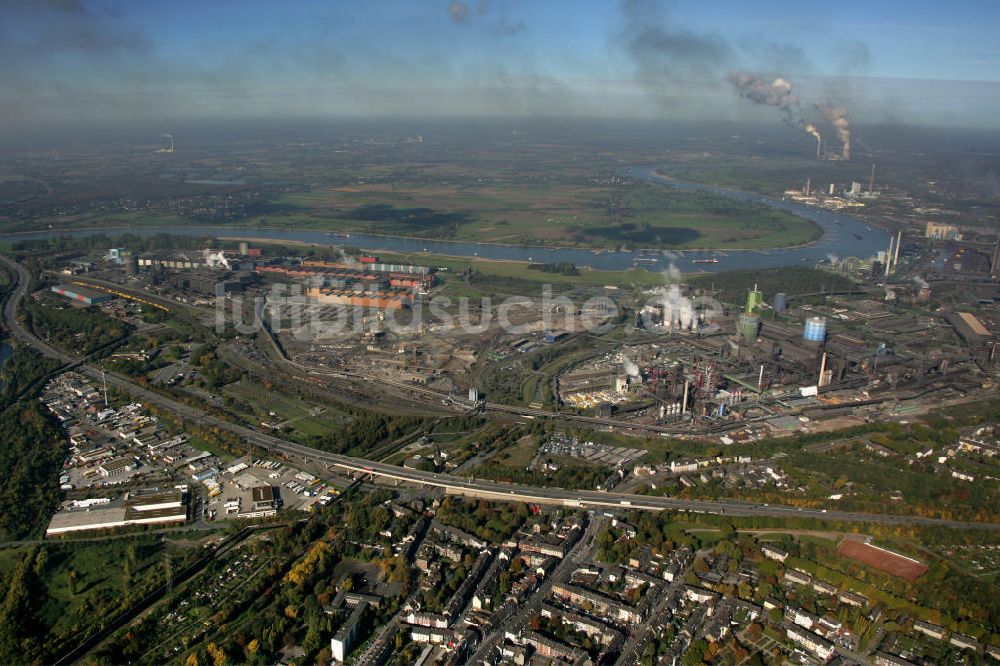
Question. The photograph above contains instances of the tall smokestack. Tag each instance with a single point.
(811, 129)
(871, 179)
(822, 370)
(888, 256)
(836, 115)
(895, 259)
(684, 402)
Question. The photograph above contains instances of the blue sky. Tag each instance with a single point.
(70, 59)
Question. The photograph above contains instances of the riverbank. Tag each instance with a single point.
(505, 268)
(843, 236)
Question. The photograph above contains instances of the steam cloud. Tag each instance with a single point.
(215, 259)
(678, 309)
(836, 115)
(630, 368)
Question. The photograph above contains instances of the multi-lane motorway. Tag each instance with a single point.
(470, 487)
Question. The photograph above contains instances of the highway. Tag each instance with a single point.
(468, 487)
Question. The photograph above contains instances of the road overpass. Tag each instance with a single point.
(467, 487)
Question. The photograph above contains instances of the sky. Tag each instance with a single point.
(896, 61)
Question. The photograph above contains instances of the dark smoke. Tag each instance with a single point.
(458, 12)
(776, 92)
(667, 54)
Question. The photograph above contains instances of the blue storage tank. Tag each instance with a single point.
(815, 329)
(780, 302)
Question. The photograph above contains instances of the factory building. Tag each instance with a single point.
(326, 277)
(208, 283)
(969, 328)
(384, 300)
(938, 231)
(180, 261)
(176, 263)
(157, 508)
(82, 294)
(372, 264)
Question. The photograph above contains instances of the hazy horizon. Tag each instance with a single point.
(81, 61)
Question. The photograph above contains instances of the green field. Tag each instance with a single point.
(600, 216)
(308, 419)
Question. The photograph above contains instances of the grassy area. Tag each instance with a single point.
(642, 215)
(518, 269)
(685, 220)
(496, 213)
(519, 455)
(309, 419)
(732, 286)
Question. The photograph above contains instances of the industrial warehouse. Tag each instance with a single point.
(158, 508)
(82, 294)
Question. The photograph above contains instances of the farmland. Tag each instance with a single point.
(593, 215)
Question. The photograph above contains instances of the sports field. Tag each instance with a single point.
(882, 559)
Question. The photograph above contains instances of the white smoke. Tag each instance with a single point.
(350, 261)
(215, 259)
(832, 258)
(678, 309)
(836, 115)
(629, 367)
(778, 93)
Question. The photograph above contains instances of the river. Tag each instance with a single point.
(843, 236)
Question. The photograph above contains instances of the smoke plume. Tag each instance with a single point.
(458, 12)
(776, 93)
(671, 60)
(836, 115)
(678, 309)
(629, 367)
(215, 259)
(496, 18)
